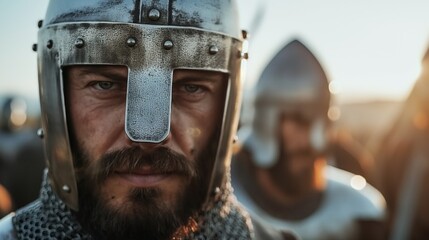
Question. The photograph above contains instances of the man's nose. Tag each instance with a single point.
(149, 146)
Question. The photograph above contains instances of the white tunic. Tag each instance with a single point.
(6, 228)
(345, 199)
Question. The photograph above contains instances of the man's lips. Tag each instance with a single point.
(144, 177)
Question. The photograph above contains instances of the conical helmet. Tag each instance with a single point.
(292, 82)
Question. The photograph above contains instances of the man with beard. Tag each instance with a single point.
(139, 103)
(280, 173)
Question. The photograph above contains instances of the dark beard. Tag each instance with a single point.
(145, 216)
(290, 182)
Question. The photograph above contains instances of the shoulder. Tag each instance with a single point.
(7, 231)
(361, 198)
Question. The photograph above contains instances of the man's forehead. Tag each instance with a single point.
(121, 70)
(82, 70)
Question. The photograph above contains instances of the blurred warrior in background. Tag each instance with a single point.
(21, 151)
(281, 173)
(403, 165)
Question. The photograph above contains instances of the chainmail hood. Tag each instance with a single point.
(49, 218)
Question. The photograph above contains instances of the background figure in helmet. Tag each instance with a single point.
(281, 173)
(138, 102)
(20, 174)
(404, 167)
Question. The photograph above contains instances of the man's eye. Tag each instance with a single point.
(191, 88)
(104, 85)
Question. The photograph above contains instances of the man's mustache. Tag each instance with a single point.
(302, 152)
(161, 160)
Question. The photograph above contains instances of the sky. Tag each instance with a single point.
(371, 49)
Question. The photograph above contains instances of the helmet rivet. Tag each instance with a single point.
(40, 133)
(131, 42)
(40, 23)
(79, 43)
(50, 44)
(244, 55)
(34, 47)
(154, 14)
(235, 140)
(213, 50)
(66, 189)
(168, 45)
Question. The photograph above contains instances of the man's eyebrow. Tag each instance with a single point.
(195, 78)
(203, 77)
(105, 72)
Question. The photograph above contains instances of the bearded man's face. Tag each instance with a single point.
(132, 190)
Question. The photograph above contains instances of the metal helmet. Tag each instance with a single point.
(151, 38)
(294, 82)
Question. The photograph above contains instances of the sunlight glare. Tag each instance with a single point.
(358, 182)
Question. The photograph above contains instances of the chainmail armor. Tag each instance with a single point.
(49, 218)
